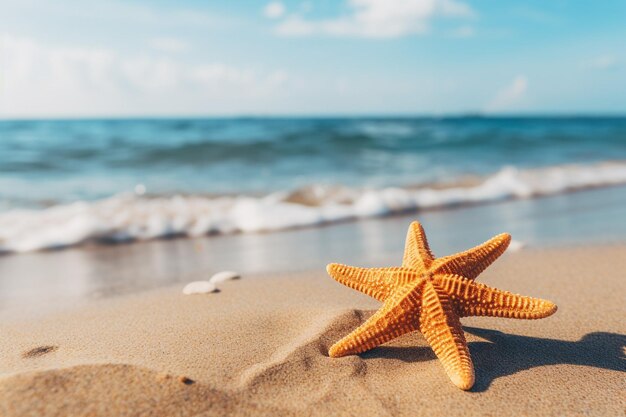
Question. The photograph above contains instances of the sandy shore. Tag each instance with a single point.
(39, 283)
(258, 347)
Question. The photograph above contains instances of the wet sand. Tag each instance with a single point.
(41, 282)
(259, 347)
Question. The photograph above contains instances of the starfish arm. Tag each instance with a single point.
(473, 261)
(443, 332)
(375, 282)
(417, 253)
(475, 299)
(393, 320)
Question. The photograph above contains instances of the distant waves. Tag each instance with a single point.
(53, 162)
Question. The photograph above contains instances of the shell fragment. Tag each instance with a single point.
(199, 287)
(224, 276)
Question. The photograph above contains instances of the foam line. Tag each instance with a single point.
(128, 217)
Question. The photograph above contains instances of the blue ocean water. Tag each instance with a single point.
(70, 182)
(58, 161)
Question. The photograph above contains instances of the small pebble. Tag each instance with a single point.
(184, 380)
(199, 287)
(224, 276)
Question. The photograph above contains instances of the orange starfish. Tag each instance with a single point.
(430, 295)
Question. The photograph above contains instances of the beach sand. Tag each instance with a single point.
(259, 347)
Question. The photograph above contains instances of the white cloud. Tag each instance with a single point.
(602, 62)
(42, 79)
(278, 78)
(72, 16)
(274, 10)
(212, 73)
(169, 45)
(510, 95)
(378, 19)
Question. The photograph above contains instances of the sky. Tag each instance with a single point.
(116, 58)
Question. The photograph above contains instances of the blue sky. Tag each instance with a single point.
(132, 58)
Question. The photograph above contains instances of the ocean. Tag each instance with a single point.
(65, 183)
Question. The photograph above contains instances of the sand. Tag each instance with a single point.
(259, 347)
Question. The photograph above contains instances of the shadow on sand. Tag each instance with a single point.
(506, 354)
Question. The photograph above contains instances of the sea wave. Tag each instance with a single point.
(131, 217)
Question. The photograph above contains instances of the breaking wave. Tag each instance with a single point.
(131, 217)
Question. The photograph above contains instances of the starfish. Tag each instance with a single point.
(429, 295)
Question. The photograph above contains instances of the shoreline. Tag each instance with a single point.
(45, 281)
(135, 217)
(258, 346)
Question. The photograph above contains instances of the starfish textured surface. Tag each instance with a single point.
(430, 295)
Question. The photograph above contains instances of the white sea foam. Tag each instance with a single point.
(131, 217)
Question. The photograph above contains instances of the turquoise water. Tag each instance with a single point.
(67, 183)
(49, 162)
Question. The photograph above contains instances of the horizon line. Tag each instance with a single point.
(278, 116)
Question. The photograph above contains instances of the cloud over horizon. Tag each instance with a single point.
(74, 58)
(509, 95)
(36, 76)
